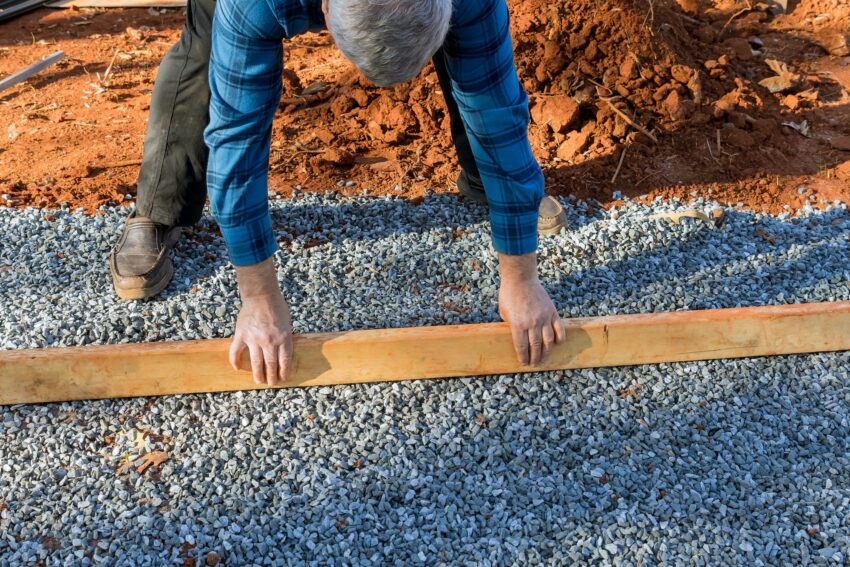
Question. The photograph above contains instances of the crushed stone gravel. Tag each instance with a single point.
(743, 462)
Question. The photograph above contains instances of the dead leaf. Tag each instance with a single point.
(760, 232)
(718, 214)
(808, 94)
(50, 543)
(152, 459)
(314, 88)
(777, 67)
(784, 80)
(185, 550)
(779, 83)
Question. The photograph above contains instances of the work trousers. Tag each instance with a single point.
(172, 185)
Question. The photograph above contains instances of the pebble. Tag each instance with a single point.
(709, 463)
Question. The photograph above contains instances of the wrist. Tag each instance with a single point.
(520, 269)
(258, 282)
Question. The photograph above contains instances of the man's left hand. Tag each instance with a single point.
(535, 323)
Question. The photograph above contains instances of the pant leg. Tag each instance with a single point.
(459, 137)
(172, 181)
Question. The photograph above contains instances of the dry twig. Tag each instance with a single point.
(732, 17)
(117, 164)
(619, 165)
(103, 80)
(629, 121)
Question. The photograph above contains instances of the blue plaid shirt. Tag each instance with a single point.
(245, 83)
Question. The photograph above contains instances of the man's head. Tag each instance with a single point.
(390, 41)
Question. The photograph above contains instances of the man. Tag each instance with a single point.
(390, 41)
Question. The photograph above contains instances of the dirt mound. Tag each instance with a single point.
(680, 85)
(640, 97)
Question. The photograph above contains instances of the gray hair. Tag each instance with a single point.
(390, 41)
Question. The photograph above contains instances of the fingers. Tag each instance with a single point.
(271, 365)
(558, 326)
(548, 341)
(284, 360)
(257, 364)
(535, 343)
(520, 338)
(237, 347)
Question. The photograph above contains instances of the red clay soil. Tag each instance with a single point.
(687, 76)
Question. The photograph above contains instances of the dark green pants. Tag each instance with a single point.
(172, 185)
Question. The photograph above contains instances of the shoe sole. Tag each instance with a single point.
(146, 291)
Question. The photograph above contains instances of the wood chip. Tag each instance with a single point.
(152, 459)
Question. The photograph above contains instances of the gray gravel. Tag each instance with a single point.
(714, 463)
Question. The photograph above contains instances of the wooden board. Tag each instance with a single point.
(152, 369)
(117, 4)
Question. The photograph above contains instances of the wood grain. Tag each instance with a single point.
(152, 369)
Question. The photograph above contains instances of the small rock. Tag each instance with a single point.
(791, 101)
(738, 138)
(559, 112)
(689, 6)
(835, 43)
(681, 73)
(678, 107)
(576, 141)
(629, 68)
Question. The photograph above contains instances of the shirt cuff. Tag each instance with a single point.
(514, 233)
(251, 241)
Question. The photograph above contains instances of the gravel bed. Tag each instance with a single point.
(741, 462)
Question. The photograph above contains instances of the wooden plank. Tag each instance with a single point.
(30, 71)
(115, 371)
(117, 4)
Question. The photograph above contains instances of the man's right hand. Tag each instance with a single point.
(263, 325)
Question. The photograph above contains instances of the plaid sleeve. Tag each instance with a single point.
(245, 85)
(494, 108)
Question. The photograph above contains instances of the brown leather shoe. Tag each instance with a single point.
(140, 264)
(551, 217)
